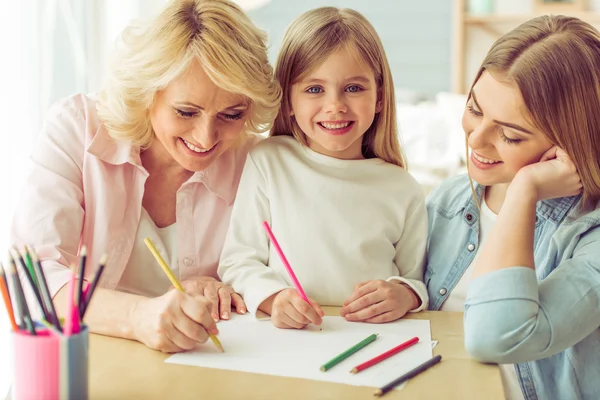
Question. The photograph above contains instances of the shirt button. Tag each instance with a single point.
(469, 217)
(443, 291)
(187, 261)
(471, 247)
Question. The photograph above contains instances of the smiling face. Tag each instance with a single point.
(195, 121)
(335, 105)
(500, 138)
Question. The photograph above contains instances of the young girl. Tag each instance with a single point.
(331, 182)
(520, 250)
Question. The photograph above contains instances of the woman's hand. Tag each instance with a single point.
(173, 322)
(379, 301)
(221, 296)
(290, 311)
(553, 176)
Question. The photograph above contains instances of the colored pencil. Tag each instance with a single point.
(16, 255)
(29, 263)
(285, 262)
(175, 282)
(92, 286)
(51, 328)
(411, 374)
(45, 292)
(79, 292)
(6, 297)
(20, 303)
(338, 359)
(384, 356)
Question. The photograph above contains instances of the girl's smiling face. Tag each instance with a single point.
(335, 105)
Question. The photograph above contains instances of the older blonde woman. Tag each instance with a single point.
(158, 154)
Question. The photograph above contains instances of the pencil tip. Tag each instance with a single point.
(103, 259)
(32, 252)
(378, 393)
(11, 269)
(83, 251)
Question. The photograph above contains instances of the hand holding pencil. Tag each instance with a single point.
(183, 320)
(173, 322)
(290, 308)
(290, 311)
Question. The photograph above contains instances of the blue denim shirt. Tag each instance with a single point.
(546, 321)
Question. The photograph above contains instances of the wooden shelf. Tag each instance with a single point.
(494, 25)
(507, 19)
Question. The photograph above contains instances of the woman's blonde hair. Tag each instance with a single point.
(555, 63)
(217, 34)
(307, 43)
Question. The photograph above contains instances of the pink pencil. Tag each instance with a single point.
(71, 320)
(286, 264)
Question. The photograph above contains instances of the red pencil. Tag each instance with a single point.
(387, 354)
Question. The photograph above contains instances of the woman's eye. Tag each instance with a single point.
(233, 117)
(314, 90)
(473, 111)
(185, 114)
(507, 139)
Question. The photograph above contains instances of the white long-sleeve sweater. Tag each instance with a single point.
(339, 222)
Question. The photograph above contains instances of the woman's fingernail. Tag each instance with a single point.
(215, 317)
(225, 315)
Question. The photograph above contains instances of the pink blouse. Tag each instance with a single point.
(87, 188)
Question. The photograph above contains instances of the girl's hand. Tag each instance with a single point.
(379, 301)
(553, 176)
(173, 322)
(290, 311)
(221, 296)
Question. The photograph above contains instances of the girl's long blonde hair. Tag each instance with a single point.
(216, 33)
(555, 63)
(307, 43)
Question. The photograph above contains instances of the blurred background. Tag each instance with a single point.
(50, 49)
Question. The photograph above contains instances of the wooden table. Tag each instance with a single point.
(122, 369)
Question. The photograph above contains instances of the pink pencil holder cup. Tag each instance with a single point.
(50, 366)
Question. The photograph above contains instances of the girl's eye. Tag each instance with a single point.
(314, 90)
(185, 114)
(507, 139)
(353, 88)
(233, 117)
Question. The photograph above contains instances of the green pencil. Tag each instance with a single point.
(29, 263)
(349, 352)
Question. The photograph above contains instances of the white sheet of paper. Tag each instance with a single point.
(259, 347)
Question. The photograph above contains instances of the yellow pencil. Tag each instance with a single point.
(175, 282)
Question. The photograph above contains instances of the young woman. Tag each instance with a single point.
(516, 244)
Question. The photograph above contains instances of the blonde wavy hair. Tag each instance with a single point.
(555, 63)
(307, 43)
(151, 54)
